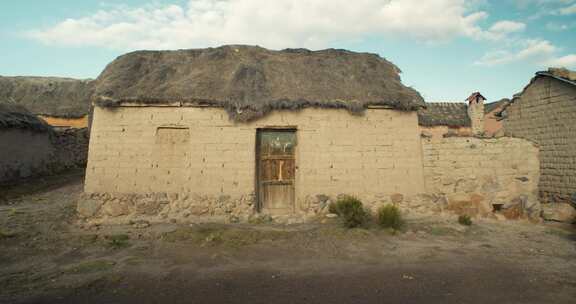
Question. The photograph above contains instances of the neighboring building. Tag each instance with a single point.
(493, 125)
(61, 102)
(545, 113)
(30, 147)
(25, 144)
(238, 129)
(444, 119)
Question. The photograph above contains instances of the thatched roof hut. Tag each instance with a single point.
(451, 114)
(49, 96)
(250, 81)
(17, 117)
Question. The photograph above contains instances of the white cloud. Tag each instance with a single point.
(536, 51)
(564, 61)
(502, 29)
(507, 26)
(569, 10)
(275, 24)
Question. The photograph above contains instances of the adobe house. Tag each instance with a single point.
(441, 119)
(61, 102)
(235, 130)
(493, 125)
(25, 145)
(545, 113)
(470, 118)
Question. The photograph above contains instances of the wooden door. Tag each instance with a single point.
(276, 171)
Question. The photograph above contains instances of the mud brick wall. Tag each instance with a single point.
(378, 153)
(25, 154)
(546, 114)
(495, 171)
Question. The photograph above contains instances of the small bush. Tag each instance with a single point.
(118, 241)
(389, 217)
(465, 220)
(351, 211)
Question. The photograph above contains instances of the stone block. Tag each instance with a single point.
(88, 207)
(559, 212)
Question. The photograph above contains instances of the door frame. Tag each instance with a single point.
(258, 204)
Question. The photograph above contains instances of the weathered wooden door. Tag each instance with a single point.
(276, 170)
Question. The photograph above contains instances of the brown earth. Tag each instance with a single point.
(48, 256)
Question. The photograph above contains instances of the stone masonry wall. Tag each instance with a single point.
(475, 176)
(71, 148)
(546, 114)
(210, 167)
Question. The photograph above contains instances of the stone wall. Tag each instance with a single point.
(475, 176)
(371, 156)
(71, 147)
(25, 154)
(546, 114)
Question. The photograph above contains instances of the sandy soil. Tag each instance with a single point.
(47, 257)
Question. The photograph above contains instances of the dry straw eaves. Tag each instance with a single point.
(251, 81)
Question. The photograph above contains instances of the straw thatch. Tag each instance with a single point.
(250, 81)
(51, 96)
(451, 114)
(17, 117)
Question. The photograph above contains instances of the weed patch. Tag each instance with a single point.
(389, 217)
(465, 220)
(6, 234)
(90, 267)
(118, 241)
(352, 212)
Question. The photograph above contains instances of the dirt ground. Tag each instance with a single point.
(47, 257)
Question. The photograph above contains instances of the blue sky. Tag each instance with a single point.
(445, 48)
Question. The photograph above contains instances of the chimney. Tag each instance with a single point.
(476, 112)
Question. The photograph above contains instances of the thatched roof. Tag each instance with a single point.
(452, 114)
(250, 81)
(17, 117)
(52, 96)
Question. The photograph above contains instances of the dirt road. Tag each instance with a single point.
(47, 257)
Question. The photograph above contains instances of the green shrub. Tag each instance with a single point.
(389, 217)
(351, 211)
(118, 241)
(465, 220)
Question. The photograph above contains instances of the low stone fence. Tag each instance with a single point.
(477, 176)
(71, 148)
